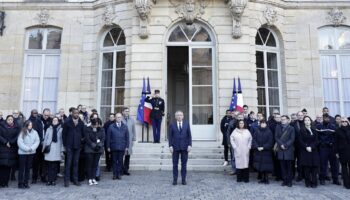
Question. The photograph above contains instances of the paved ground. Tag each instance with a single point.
(157, 185)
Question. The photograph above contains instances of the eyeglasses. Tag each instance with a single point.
(343, 121)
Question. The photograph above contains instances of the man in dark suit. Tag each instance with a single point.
(157, 114)
(180, 143)
(118, 144)
(72, 136)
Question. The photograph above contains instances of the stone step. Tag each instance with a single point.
(165, 150)
(169, 156)
(217, 162)
(189, 168)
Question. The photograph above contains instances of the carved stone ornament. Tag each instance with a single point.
(43, 17)
(143, 8)
(189, 10)
(237, 8)
(336, 17)
(108, 15)
(270, 15)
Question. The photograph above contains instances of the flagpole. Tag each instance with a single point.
(143, 125)
(147, 133)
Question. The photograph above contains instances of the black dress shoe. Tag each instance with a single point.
(66, 184)
(97, 178)
(77, 183)
(299, 179)
(20, 186)
(26, 186)
(283, 183)
(322, 182)
(114, 177)
(336, 182)
(48, 183)
(126, 173)
(53, 183)
(119, 177)
(184, 183)
(174, 182)
(289, 184)
(34, 181)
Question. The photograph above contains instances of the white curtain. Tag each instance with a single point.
(345, 72)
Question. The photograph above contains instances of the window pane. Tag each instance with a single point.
(52, 64)
(262, 109)
(334, 107)
(202, 115)
(107, 62)
(344, 38)
(326, 39)
(330, 89)
(33, 66)
(54, 39)
(31, 89)
(107, 78)
(50, 89)
(177, 36)
(202, 95)
(347, 108)
(346, 89)
(120, 59)
(261, 96)
(118, 109)
(115, 32)
(271, 60)
(36, 39)
(119, 96)
(272, 108)
(49, 104)
(202, 57)
(202, 36)
(258, 40)
(264, 33)
(28, 106)
(106, 96)
(259, 59)
(108, 42)
(201, 76)
(189, 30)
(260, 77)
(345, 66)
(120, 79)
(329, 66)
(271, 41)
(273, 78)
(121, 40)
(104, 113)
(274, 97)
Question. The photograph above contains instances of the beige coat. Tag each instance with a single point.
(241, 141)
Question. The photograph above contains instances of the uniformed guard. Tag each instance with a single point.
(157, 114)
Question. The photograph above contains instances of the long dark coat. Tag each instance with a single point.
(223, 127)
(263, 137)
(343, 143)
(91, 145)
(287, 141)
(306, 139)
(9, 156)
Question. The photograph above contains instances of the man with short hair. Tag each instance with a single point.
(130, 123)
(180, 144)
(223, 127)
(157, 114)
(298, 125)
(118, 144)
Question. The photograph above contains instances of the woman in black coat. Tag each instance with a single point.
(223, 127)
(93, 148)
(9, 132)
(343, 149)
(309, 156)
(262, 146)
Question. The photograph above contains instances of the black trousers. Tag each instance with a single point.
(25, 163)
(226, 148)
(286, 171)
(184, 158)
(345, 171)
(91, 162)
(72, 161)
(117, 162)
(126, 163)
(38, 165)
(52, 170)
(242, 175)
(310, 175)
(108, 159)
(5, 173)
(276, 167)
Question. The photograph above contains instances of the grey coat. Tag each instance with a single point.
(287, 140)
(130, 123)
(56, 147)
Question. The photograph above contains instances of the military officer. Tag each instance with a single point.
(157, 114)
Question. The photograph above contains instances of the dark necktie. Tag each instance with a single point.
(180, 127)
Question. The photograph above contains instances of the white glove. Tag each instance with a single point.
(189, 148)
(171, 149)
(308, 149)
(260, 148)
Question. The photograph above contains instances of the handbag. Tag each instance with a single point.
(47, 149)
(275, 147)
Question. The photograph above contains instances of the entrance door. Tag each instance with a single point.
(190, 78)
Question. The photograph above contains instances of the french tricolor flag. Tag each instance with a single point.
(147, 106)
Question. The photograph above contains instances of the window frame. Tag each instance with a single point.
(276, 50)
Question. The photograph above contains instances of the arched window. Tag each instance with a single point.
(41, 70)
(268, 71)
(334, 45)
(112, 73)
(189, 33)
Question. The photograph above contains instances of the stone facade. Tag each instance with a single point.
(83, 23)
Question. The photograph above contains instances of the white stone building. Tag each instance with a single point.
(289, 54)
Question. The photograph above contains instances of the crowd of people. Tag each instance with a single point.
(288, 147)
(41, 142)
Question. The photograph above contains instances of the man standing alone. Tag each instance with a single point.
(180, 143)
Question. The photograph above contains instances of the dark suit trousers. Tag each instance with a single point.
(184, 158)
(327, 154)
(156, 124)
(38, 165)
(345, 171)
(72, 160)
(117, 162)
(91, 162)
(25, 163)
(126, 163)
(286, 171)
